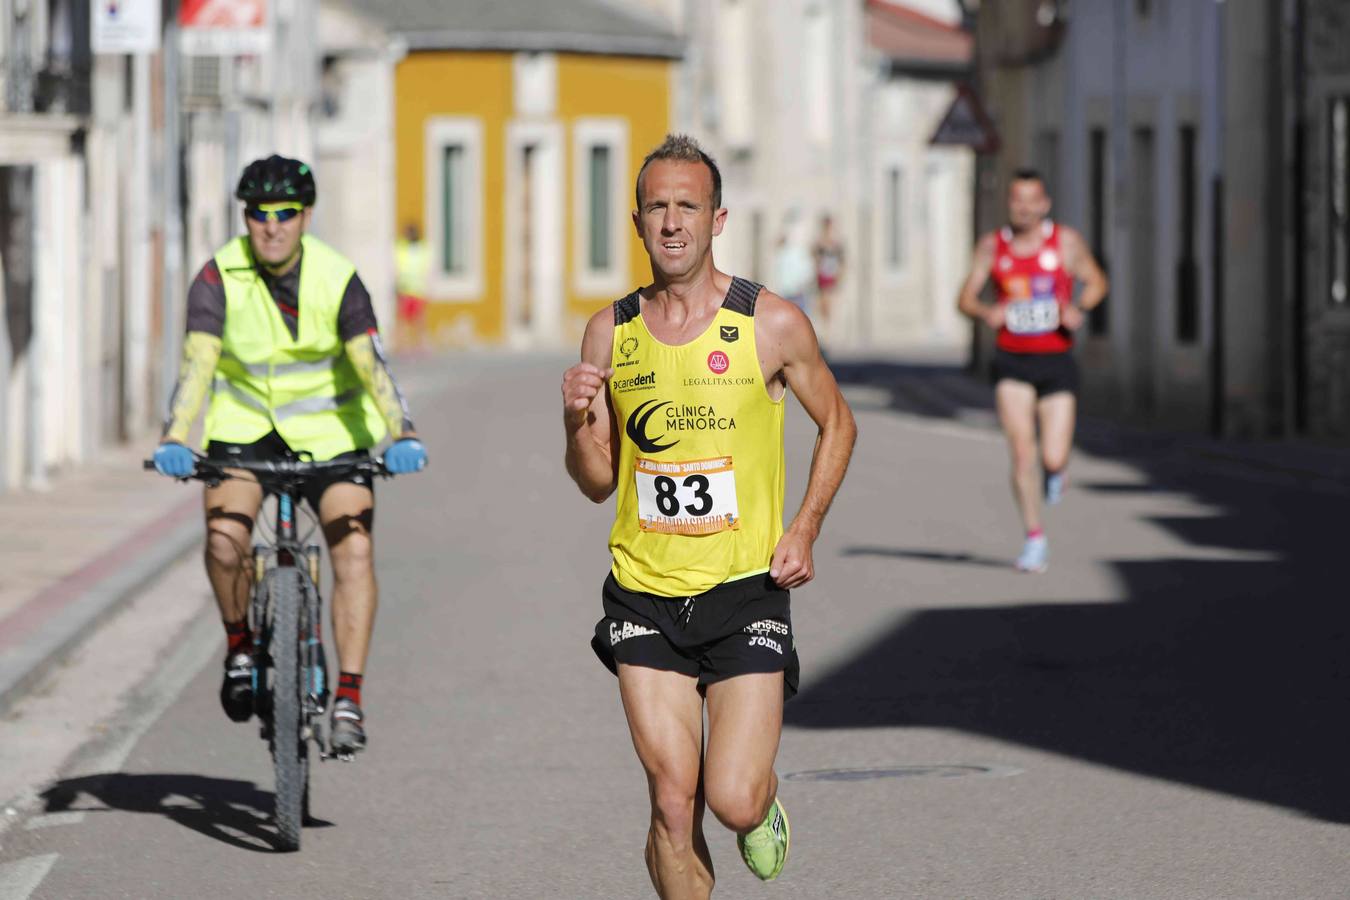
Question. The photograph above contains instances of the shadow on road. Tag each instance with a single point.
(945, 556)
(1229, 672)
(233, 812)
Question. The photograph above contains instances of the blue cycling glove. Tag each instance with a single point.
(174, 460)
(406, 455)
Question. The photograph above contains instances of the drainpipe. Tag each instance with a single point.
(1299, 229)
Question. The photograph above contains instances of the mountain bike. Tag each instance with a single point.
(290, 675)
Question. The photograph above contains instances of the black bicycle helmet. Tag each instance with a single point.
(276, 180)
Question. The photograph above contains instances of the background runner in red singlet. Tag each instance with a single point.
(1034, 263)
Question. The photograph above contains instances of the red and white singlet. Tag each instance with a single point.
(1032, 290)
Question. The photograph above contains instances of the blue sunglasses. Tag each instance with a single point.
(282, 214)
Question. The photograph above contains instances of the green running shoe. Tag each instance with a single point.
(765, 850)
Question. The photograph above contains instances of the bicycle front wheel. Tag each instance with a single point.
(290, 757)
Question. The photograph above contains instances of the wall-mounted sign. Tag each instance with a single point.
(224, 27)
(124, 26)
(966, 124)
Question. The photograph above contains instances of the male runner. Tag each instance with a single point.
(1034, 263)
(281, 332)
(678, 405)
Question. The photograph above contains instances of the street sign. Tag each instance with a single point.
(124, 26)
(224, 27)
(966, 124)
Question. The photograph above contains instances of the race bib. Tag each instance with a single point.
(1035, 316)
(692, 497)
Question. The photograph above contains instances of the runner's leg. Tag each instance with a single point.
(231, 509)
(1016, 403)
(1056, 412)
(665, 717)
(745, 719)
(347, 515)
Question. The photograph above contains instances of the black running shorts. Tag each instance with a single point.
(736, 628)
(274, 447)
(1048, 373)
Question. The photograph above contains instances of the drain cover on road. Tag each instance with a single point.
(937, 771)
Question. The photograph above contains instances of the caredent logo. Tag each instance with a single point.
(634, 383)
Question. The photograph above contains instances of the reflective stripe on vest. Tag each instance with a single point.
(292, 409)
(263, 370)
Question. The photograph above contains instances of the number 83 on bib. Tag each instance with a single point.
(689, 497)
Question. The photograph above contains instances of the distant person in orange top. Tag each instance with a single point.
(1034, 263)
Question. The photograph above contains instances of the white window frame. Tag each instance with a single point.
(612, 133)
(466, 132)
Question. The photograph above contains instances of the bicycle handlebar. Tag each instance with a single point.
(208, 469)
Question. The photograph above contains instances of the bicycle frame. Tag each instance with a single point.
(285, 551)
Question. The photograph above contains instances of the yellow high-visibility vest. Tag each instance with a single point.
(304, 388)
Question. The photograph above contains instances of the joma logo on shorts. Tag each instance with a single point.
(761, 641)
(617, 634)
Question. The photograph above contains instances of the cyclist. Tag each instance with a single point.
(1034, 263)
(282, 335)
(678, 406)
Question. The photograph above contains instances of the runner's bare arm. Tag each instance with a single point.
(968, 302)
(201, 353)
(592, 457)
(1079, 262)
(788, 345)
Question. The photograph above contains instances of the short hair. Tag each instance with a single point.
(1027, 173)
(682, 148)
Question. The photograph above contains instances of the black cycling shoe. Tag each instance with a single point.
(349, 731)
(236, 691)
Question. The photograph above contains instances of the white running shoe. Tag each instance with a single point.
(1035, 555)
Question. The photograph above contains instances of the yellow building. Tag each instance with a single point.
(518, 129)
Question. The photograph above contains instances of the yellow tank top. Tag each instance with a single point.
(701, 474)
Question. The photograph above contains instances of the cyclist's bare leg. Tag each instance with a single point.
(231, 509)
(347, 514)
(1056, 413)
(745, 719)
(1016, 403)
(665, 717)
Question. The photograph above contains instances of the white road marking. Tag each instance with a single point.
(51, 820)
(142, 709)
(155, 696)
(20, 878)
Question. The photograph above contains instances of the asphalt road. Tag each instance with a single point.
(1161, 715)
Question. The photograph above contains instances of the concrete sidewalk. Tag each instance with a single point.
(74, 553)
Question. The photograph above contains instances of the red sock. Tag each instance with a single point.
(238, 639)
(1035, 533)
(349, 686)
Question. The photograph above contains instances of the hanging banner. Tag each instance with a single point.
(224, 27)
(124, 26)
